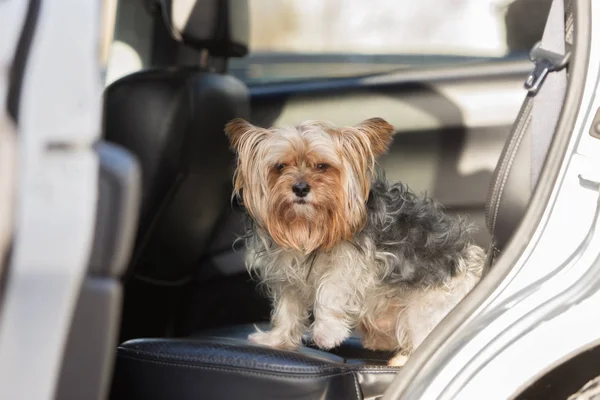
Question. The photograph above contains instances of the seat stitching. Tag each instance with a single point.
(502, 163)
(507, 172)
(503, 183)
(324, 366)
(315, 368)
(502, 172)
(493, 198)
(381, 368)
(241, 370)
(379, 372)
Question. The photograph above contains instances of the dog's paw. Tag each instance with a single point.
(271, 339)
(398, 361)
(379, 342)
(327, 337)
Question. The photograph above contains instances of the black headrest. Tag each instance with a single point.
(172, 120)
(220, 26)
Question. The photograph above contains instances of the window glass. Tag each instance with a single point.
(311, 39)
(131, 40)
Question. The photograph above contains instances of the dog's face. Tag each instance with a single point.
(307, 185)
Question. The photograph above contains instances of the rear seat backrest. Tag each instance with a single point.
(172, 119)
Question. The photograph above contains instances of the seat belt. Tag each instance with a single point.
(548, 82)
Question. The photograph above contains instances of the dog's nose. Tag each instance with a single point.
(301, 189)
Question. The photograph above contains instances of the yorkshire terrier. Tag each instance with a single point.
(331, 238)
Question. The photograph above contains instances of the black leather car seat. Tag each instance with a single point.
(222, 364)
(172, 119)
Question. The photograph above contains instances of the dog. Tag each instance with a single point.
(331, 239)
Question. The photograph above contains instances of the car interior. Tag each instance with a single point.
(188, 303)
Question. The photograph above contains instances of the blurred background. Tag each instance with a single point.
(379, 26)
(336, 38)
(296, 39)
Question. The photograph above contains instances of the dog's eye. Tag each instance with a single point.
(279, 167)
(322, 167)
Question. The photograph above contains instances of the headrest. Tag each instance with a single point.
(220, 26)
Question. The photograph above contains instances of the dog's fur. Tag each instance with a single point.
(356, 252)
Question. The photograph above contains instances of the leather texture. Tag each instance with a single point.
(208, 366)
(173, 121)
(219, 26)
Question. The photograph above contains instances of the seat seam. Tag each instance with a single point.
(153, 357)
(377, 367)
(507, 172)
(375, 360)
(516, 133)
(241, 370)
(510, 149)
(370, 368)
(502, 164)
(379, 372)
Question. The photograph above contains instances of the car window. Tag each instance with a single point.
(130, 38)
(295, 40)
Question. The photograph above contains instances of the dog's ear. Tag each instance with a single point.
(379, 132)
(246, 140)
(235, 130)
(239, 130)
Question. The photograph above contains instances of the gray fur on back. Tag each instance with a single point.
(422, 243)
